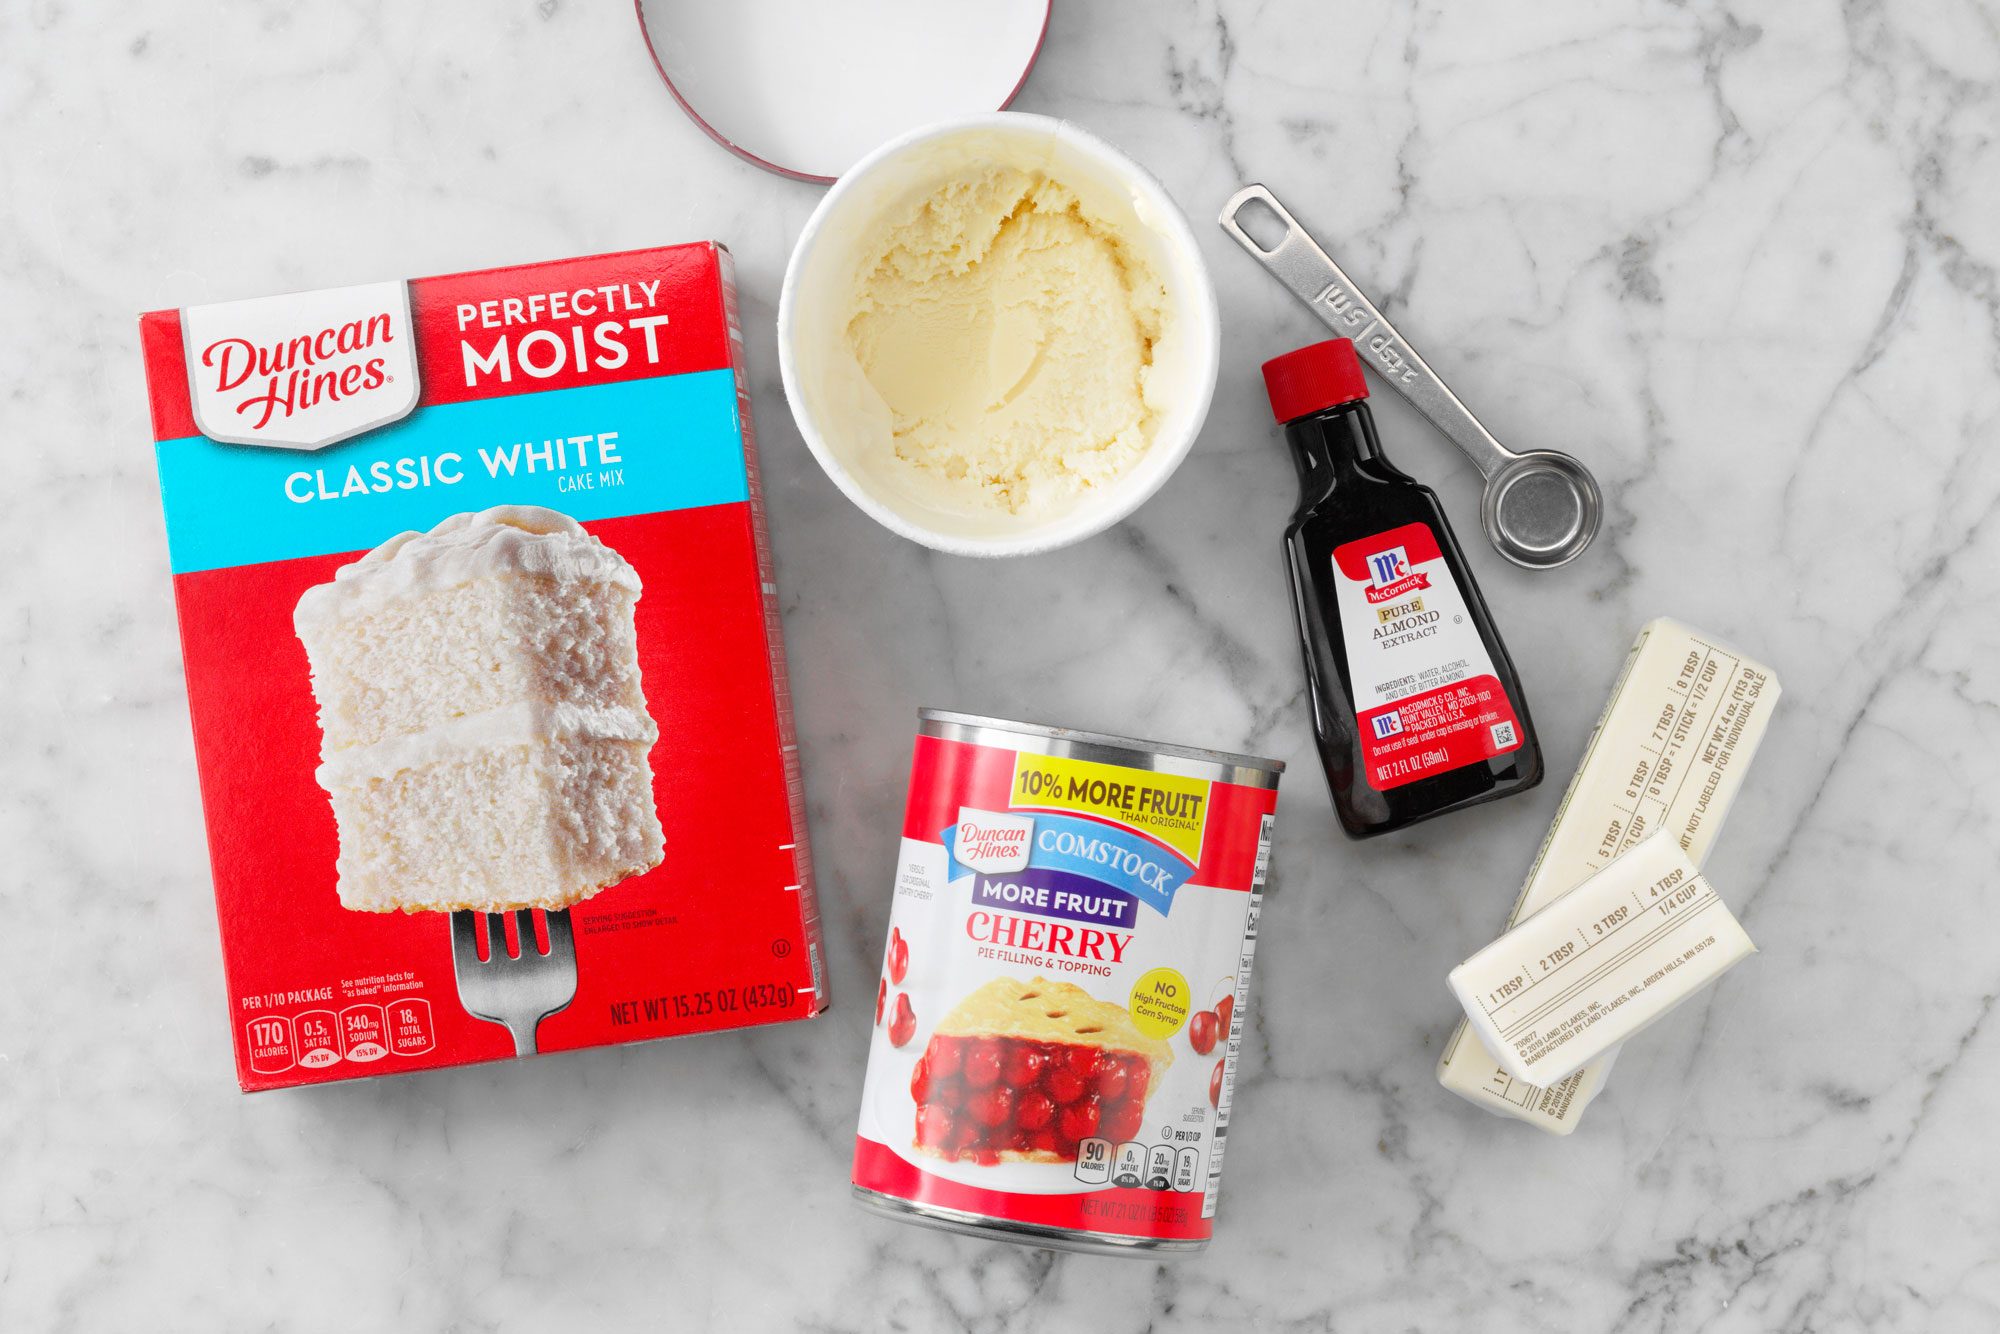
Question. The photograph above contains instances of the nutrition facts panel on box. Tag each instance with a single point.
(356, 1033)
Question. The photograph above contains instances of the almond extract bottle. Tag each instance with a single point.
(1416, 707)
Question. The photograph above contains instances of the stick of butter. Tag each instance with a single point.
(1605, 960)
(1668, 754)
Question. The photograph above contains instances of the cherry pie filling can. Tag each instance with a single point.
(1062, 996)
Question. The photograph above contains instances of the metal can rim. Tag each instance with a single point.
(923, 1213)
(1106, 747)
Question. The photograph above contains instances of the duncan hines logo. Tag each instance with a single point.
(302, 371)
(991, 842)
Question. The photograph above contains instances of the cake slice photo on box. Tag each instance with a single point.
(484, 735)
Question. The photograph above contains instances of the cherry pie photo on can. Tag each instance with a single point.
(1061, 998)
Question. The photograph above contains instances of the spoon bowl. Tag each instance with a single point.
(1541, 509)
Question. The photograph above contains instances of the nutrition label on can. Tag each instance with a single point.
(1234, 1038)
(1137, 1165)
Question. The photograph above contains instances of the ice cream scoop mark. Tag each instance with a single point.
(1025, 378)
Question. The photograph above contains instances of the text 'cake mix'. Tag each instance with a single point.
(483, 659)
(1062, 996)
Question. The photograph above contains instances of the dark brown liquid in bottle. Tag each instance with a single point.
(1406, 741)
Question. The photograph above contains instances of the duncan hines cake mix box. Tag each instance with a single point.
(478, 619)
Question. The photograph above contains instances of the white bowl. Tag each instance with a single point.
(841, 417)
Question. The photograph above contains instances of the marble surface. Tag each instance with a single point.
(1743, 260)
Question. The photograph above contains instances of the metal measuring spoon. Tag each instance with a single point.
(1539, 509)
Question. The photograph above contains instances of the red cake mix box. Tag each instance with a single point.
(482, 650)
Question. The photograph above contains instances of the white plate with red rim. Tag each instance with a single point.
(806, 88)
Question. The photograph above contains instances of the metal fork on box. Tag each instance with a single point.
(516, 991)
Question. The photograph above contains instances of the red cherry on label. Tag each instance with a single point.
(933, 1127)
(1035, 1111)
(1201, 1032)
(1215, 1086)
(920, 1080)
(943, 1056)
(881, 995)
(1044, 1141)
(1225, 1010)
(903, 1026)
(1138, 1079)
(899, 957)
(1024, 1066)
(981, 1064)
(1063, 1084)
(1083, 1062)
(1111, 1081)
(992, 1107)
(1122, 1121)
(1079, 1119)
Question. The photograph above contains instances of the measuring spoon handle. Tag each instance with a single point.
(1310, 273)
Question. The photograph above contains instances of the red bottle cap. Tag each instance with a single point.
(1313, 379)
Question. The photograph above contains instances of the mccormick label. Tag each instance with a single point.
(481, 642)
(1062, 997)
(1425, 695)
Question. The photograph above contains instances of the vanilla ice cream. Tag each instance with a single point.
(1010, 332)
